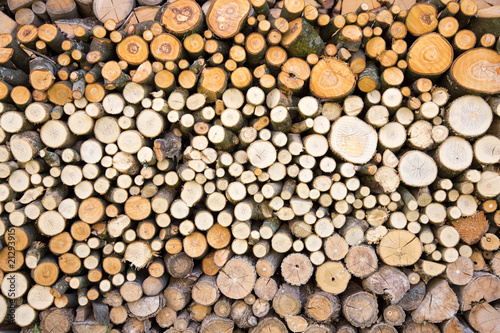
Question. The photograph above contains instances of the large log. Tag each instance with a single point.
(225, 18)
(331, 79)
(458, 81)
(353, 140)
(439, 296)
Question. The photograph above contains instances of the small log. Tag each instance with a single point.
(394, 315)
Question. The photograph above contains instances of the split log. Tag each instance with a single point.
(439, 296)
(473, 291)
(471, 228)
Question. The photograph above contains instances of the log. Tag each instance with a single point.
(361, 261)
(483, 317)
(399, 248)
(107, 10)
(332, 277)
(230, 281)
(456, 82)
(61, 9)
(484, 21)
(133, 49)
(421, 19)
(331, 79)
(352, 311)
(212, 83)
(439, 295)
(460, 153)
(165, 47)
(475, 127)
(296, 269)
(322, 307)
(301, 39)
(419, 54)
(288, 300)
(353, 141)
(225, 19)
(213, 323)
(183, 17)
(473, 291)
(178, 293)
(205, 291)
(56, 319)
(417, 169)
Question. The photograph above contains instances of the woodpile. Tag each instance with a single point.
(261, 166)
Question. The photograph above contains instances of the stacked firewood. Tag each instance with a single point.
(250, 166)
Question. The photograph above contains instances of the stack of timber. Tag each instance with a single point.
(250, 166)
